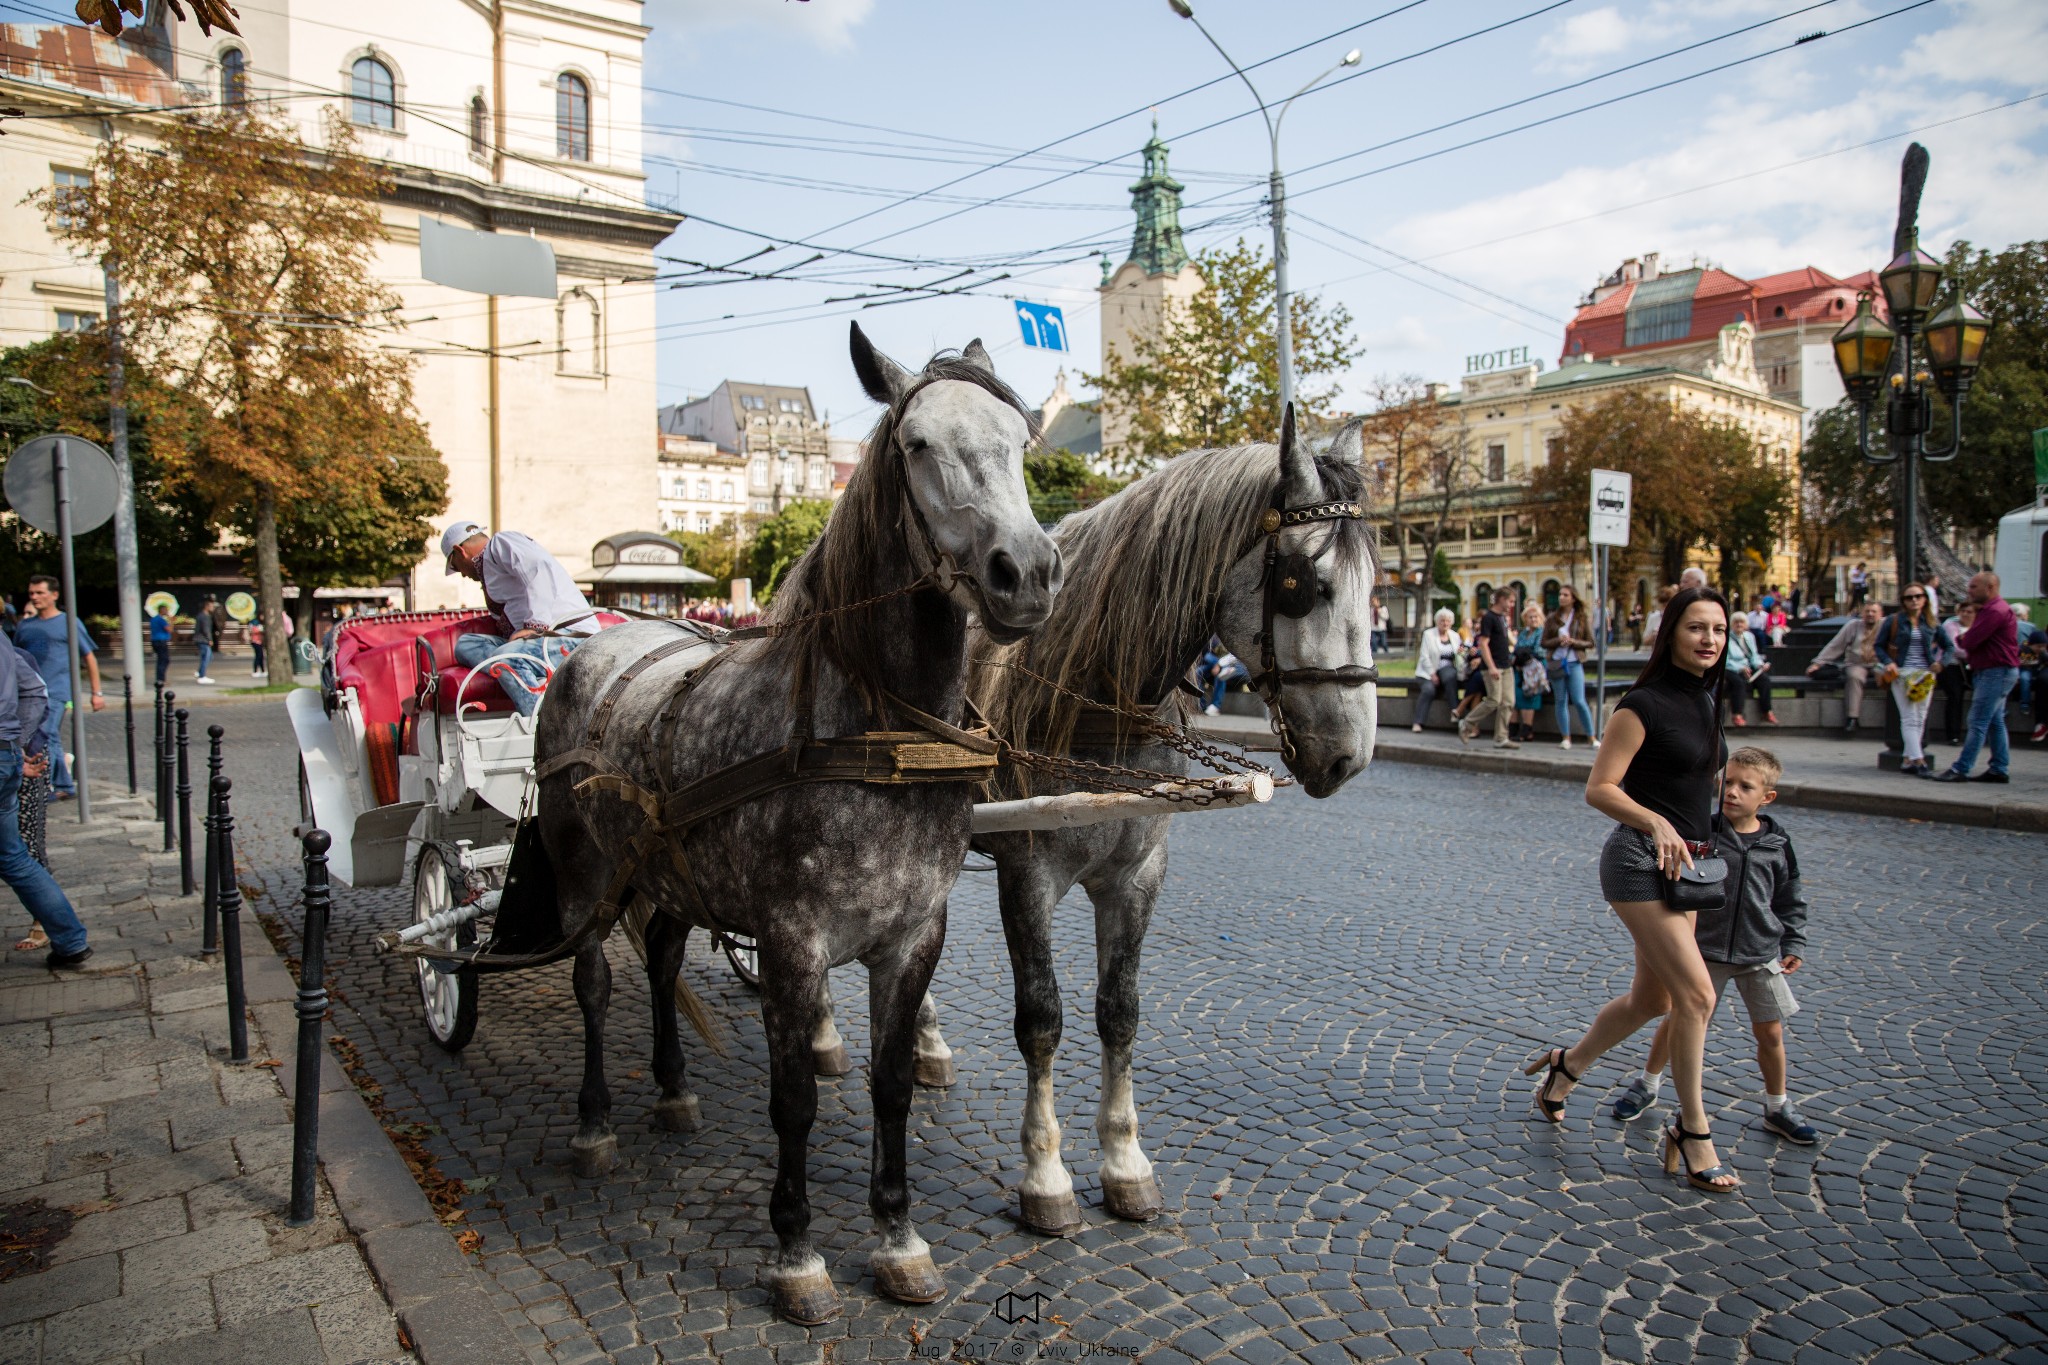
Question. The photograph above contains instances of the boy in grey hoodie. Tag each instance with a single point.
(1754, 939)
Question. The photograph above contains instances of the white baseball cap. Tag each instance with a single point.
(455, 535)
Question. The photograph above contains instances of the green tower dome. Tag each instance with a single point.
(1156, 244)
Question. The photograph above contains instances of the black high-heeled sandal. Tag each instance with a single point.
(1553, 1110)
(1675, 1139)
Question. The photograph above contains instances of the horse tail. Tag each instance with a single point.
(635, 919)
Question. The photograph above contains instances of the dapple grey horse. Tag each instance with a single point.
(817, 875)
(1152, 573)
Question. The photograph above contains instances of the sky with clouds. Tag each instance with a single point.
(1481, 167)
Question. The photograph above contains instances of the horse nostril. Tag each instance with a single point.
(1003, 575)
(1340, 768)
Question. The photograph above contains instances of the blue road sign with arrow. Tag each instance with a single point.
(1042, 325)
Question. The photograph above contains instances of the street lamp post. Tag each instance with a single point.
(1873, 357)
(1277, 191)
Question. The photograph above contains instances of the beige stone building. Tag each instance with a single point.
(1509, 420)
(772, 429)
(701, 485)
(1135, 294)
(521, 116)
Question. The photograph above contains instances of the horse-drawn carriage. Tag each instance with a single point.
(809, 787)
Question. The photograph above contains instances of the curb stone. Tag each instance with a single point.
(1928, 802)
(438, 1295)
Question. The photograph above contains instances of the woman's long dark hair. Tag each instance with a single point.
(1667, 635)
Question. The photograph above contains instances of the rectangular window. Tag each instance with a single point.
(69, 320)
(63, 183)
(1485, 528)
(1553, 447)
(1496, 462)
(757, 474)
(1660, 309)
(1511, 526)
(753, 401)
(703, 490)
(725, 491)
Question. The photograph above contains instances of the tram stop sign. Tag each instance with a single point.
(31, 483)
(1612, 492)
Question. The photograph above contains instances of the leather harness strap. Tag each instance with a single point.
(601, 716)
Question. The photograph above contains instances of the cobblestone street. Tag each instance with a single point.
(1338, 999)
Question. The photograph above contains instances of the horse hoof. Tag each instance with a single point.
(936, 1073)
(806, 1298)
(1137, 1200)
(677, 1113)
(595, 1158)
(1052, 1215)
(831, 1061)
(907, 1276)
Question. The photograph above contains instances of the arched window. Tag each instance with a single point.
(572, 117)
(578, 333)
(1552, 594)
(234, 78)
(479, 127)
(372, 95)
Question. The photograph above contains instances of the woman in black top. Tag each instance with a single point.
(1655, 775)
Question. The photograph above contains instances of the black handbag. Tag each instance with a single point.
(1703, 886)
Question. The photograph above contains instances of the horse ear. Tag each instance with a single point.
(1348, 445)
(882, 378)
(974, 355)
(1297, 464)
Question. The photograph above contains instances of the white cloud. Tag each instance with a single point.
(828, 24)
(1584, 37)
(1407, 335)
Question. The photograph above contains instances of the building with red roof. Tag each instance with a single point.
(1645, 313)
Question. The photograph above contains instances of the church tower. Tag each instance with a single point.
(1135, 294)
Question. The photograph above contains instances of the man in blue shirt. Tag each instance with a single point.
(23, 699)
(42, 633)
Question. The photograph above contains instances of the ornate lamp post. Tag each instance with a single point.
(1872, 356)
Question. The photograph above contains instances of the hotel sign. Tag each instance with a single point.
(1486, 362)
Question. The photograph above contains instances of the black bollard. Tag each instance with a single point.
(167, 776)
(312, 1007)
(209, 910)
(230, 923)
(128, 711)
(184, 803)
(156, 752)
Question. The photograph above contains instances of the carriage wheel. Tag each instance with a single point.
(449, 996)
(745, 960)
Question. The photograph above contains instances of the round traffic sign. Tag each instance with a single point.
(31, 483)
(158, 599)
(241, 607)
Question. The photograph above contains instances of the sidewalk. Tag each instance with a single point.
(143, 1197)
(1822, 770)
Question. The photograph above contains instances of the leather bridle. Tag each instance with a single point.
(1290, 591)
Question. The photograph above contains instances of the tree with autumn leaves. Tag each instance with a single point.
(1699, 481)
(249, 290)
(1422, 466)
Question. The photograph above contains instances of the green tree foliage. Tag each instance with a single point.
(725, 553)
(1844, 499)
(2010, 397)
(782, 539)
(352, 542)
(1698, 480)
(1209, 376)
(1060, 482)
(170, 524)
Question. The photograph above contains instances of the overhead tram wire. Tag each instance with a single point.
(1396, 61)
(1600, 104)
(1419, 265)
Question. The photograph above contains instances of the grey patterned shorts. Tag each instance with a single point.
(1628, 867)
(1766, 994)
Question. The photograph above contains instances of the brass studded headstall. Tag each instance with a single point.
(1290, 591)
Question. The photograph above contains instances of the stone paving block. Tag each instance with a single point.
(357, 1327)
(127, 1323)
(278, 1337)
(125, 1226)
(194, 1255)
(310, 1277)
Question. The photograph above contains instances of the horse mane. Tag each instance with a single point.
(864, 550)
(1145, 570)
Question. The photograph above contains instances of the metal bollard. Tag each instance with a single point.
(230, 923)
(312, 1007)
(167, 776)
(209, 911)
(184, 803)
(128, 711)
(156, 752)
